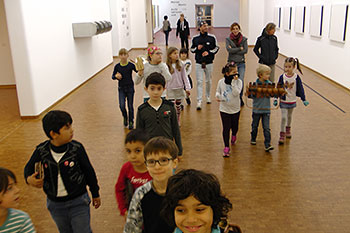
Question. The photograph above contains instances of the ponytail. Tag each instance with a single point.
(298, 64)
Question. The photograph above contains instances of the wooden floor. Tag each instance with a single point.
(302, 186)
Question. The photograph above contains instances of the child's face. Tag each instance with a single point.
(193, 216)
(174, 56)
(288, 67)
(265, 75)
(154, 91)
(10, 197)
(232, 71)
(183, 56)
(64, 136)
(123, 57)
(156, 57)
(161, 173)
(134, 152)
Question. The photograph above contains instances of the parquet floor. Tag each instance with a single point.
(302, 186)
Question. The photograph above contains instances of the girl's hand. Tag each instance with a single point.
(235, 76)
(33, 181)
(275, 102)
(306, 103)
(96, 202)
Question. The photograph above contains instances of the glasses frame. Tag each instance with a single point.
(158, 161)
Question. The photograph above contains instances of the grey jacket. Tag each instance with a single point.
(235, 53)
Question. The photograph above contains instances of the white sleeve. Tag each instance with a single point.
(236, 87)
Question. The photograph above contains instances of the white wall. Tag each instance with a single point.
(138, 24)
(326, 57)
(7, 76)
(48, 62)
(256, 20)
(225, 12)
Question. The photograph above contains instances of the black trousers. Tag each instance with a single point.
(184, 41)
(229, 122)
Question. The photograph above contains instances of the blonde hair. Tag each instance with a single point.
(262, 68)
(270, 26)
(123, 51)
(169, 62)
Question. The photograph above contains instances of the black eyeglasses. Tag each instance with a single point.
(161, 162)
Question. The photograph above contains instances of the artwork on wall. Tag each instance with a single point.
(299, 26)
(287, 18)
(338, 22)
(277, 17)
(316, 20)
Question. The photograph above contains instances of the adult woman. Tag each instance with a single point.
(236, 46)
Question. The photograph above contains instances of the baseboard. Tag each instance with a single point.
(8, 86)
(64, 97)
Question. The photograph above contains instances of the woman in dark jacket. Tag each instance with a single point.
(184, 30)
(237, 46)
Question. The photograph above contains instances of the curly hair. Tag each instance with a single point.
(203, 186)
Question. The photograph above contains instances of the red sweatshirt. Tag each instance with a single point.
(128, 174)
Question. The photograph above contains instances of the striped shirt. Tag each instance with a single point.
(17, 222)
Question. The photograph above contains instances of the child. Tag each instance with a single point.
(133, 173)
(157, 116)
(154, 64)
(228, 94)
(188, 68)
(166, 29)
(194, 203)
(294, 87)
(261, 109)
(67, 171)
(179, 81)
(12, 220)
(123, 73)
(144, 211)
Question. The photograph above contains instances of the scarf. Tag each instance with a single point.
(236, 39)
(215, 230)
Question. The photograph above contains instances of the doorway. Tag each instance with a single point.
(204, 13)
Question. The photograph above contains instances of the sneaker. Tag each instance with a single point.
(125, 122)
(253, 142)
(268, 148)
(282, 138)
(199, 105)
(182, 107)
(226, 152)
(288, 132)
(233, 139)
(131, 125)
(208, 100)
(188, 101)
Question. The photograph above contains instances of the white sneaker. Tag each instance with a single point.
(199, 105)
(208, 100)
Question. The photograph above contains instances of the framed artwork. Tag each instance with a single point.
(277, 17)
(287, 18)
(338, 22)
(316, 20)
(299, 26)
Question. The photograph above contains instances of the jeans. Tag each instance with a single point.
(265, 119)
(166, 37)
(229, 123)
(241, 71)
(199, 75)
(127, 93)
(71, 216)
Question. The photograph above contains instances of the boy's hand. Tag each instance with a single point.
(33, 181)
(275, 102)
(140, 73)
(200, 47)
(205, 54)
(96, 202)
(306, 103)
(118, 76)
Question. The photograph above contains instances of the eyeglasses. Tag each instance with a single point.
(161, 162)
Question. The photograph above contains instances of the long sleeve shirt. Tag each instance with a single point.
(178, 79)
(161, 68)
(228, 95)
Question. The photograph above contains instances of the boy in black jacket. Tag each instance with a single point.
(267, 43)
(67, 170)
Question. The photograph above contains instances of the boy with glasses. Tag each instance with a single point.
(144, 212)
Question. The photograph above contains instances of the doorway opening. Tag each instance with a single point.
(204, 13)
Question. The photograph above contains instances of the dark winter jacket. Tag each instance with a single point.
(183, 33)
(268, 48)
(209, 44)
(161, 122)
(75, 169)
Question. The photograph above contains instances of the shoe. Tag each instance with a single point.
(131, 125)
(233, 139)
(208, 100)
(226, 152)
(268, 148)
(199, 105)
(288, 133)
(188, 101)
(182, 107)
(125, 122)
(282, 138)
(253, 142)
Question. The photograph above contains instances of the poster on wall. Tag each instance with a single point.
(277, 17)
(287, 18)
(338, 22)
(299, 26)
(316, 20)
(176, 8)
